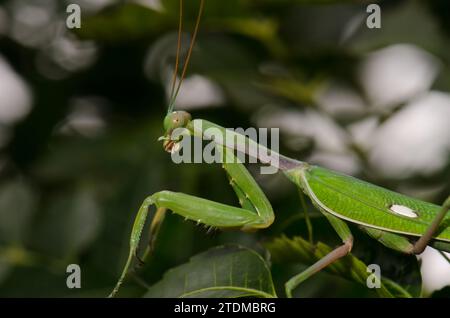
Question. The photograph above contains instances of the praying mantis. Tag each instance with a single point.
(397, 221)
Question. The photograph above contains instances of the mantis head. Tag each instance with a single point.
(174, 120)
(179, 119)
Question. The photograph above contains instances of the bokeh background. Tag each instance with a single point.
(81, 111)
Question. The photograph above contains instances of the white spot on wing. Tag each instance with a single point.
(403, 210)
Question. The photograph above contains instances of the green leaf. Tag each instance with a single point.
(296, 249)
(224, 271)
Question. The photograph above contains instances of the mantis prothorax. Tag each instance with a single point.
(399, 222)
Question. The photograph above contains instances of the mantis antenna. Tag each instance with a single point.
(176, 88)
(177, 59)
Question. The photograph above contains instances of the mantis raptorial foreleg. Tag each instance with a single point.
(155, 225)
(256, 211)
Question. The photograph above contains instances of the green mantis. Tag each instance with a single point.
(399, 222)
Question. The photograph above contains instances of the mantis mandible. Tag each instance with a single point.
(397, 221)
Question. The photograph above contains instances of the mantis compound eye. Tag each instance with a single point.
(175, 120)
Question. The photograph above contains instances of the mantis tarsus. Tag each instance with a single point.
(399, 222)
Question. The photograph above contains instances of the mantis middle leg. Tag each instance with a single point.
(344, 233)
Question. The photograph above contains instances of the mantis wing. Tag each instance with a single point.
(369, 205)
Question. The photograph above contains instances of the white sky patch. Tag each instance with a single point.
(72, 54)
(152, 4)
(415, 140)
(197, 92)
(397, 73)
(343, 162)
(32, 23)
(403, 210)
(15, 96)
(435, 270)
(362, 131)
(329, 138)
(85, 117)
(310, 124)
(340, 100)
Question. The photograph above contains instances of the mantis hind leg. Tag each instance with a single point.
(255, 212)
(390, 240)
(401, 243)
(344, 233)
